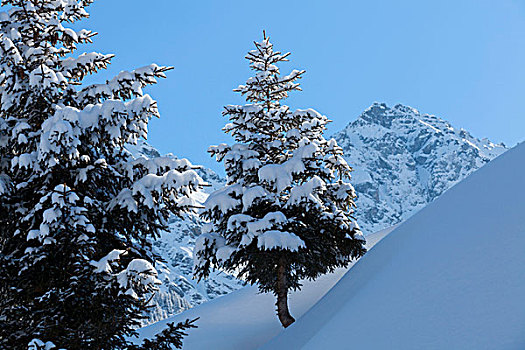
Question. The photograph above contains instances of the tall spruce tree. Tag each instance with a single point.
(77, 211)
(286, 212)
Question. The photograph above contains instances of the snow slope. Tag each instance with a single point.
(451, 277)
(246, 319)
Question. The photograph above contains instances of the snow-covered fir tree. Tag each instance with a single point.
(286, 212)
(77, 211)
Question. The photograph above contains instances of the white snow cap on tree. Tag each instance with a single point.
(288, 201)
(37, 344)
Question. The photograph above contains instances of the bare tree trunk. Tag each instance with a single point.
(282, 297)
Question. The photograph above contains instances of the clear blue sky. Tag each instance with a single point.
(461, 60)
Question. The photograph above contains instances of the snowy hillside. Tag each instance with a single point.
(178, 290)
(403, 160)
(444, 279)
(451, 277)
(245, 319)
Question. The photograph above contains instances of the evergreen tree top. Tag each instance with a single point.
(37, 44)
(268, 87)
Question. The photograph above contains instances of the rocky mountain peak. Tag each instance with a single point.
(404, 159)
(380, 114)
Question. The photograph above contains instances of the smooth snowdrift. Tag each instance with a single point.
(246, 319)
(451, 277)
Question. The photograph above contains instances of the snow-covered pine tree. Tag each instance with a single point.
(77, 211)
(286, 212)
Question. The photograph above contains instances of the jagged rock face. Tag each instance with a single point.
(403, 160)
(179, 291)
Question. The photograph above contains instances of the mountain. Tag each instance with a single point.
(443, 279)
(179, 291)
(403, 160)
(450, 277)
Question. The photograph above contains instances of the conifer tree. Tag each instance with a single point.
(77, 211)
(286, 212)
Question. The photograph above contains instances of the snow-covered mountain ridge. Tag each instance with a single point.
(403, 160)
(179, 291)
(443, 279)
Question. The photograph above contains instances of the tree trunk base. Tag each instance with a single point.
(286, 319)
(282, 298)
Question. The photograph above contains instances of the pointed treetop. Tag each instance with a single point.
(268, 86)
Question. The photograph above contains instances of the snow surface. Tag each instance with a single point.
(450, 277)
(246, 319)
